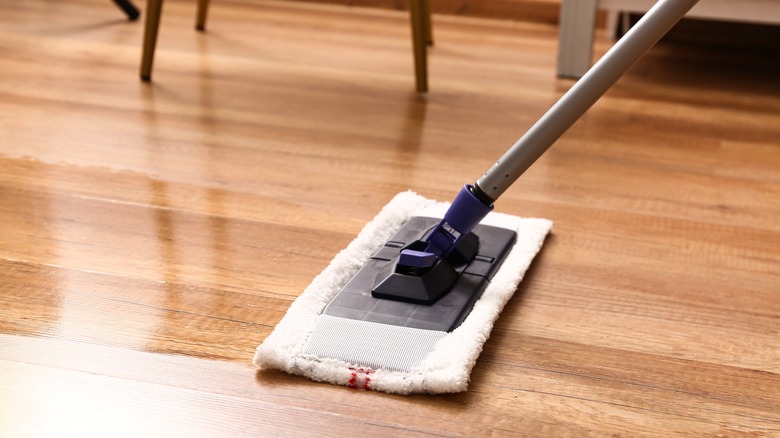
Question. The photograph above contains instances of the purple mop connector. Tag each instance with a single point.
(464, 214)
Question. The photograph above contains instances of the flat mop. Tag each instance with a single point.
(408, 305)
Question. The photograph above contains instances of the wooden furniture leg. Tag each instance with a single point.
(419, 44)
(153, 12)
(422, 36)
(203, 8)
(428, 25)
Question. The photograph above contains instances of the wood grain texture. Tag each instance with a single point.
(153, 235)
(540, 11)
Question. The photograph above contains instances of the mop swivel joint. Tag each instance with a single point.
(428, 268)
(465, 213)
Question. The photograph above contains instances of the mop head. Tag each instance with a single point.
(385, 357)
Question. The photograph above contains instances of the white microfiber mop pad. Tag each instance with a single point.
(443, 360)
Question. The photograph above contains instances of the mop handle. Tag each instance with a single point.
(654, 25)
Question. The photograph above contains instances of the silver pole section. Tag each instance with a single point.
(655, 24)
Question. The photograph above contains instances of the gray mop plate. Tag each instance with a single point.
(355, 302)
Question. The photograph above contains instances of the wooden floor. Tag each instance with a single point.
(153, 235)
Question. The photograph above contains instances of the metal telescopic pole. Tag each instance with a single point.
(627, 51)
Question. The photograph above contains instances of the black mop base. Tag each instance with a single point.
(355, 300)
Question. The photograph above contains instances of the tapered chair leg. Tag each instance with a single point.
(203, 9)
(419, 44)
(428, 25)
(153, 12)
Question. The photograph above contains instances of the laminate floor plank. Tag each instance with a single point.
(154, 234)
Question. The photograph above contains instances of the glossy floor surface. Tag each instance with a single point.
(154, 234)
